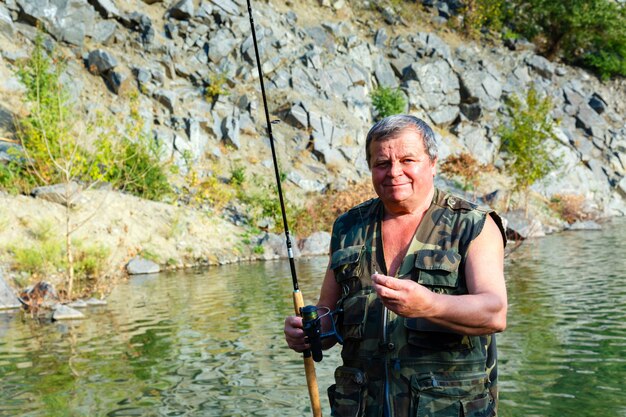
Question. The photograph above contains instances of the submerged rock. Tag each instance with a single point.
(63, 312)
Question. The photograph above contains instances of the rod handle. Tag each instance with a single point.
(309, 365)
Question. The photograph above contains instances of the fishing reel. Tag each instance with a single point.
(312, 326)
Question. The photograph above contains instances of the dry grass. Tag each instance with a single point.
(320, 212)
(570, 207)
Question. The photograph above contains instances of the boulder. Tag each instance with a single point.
(67, 20)
(316, 244)
(139, 266)
(6, 23)
(100, 62)
(275, 246)
(297, 116)
(64, 312)
(520, 227)
(541, 66)
(8, 299)
(65, 194)
(182, 10)
(585, 225)
(106, 8)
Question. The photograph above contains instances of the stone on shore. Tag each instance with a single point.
(8, 299)
(139, 266)
(63, 312)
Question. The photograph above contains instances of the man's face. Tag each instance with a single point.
(402, 172)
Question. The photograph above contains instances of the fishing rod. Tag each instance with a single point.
(298, 303)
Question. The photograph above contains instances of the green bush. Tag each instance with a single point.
(388, 101)
(529, 139)
(591, 33)
(479, 14)
(53, 152)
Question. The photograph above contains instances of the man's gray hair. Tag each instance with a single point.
(391, 126)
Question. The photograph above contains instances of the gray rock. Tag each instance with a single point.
(77, 304)
(230, 131)
(8, 299)
(275, 246)
(316, 244)
(314, 186)
(118, 82)
(431, 45)
(227, 6)
(519, 226)
(63, 312)
(67, 20)
(590, 122)
(585, 225)
(384, 73)
(6, 23)
(221, 45)
(103, 31)
(297, 116)
(542, 66)
(139, 265)
(106, 8)
(621, 187)
(96, 302)
(381, 37)
(167, 98)
(444, 115)
(182, 10)
(65, 194)
(100, 62)
(597, 103)
(472, 111)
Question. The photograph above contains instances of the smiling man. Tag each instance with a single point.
(418, 276)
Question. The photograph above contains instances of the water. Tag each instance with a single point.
(209, 343)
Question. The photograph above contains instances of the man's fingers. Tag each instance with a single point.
(388, 282)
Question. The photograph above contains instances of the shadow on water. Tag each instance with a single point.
(210, 343)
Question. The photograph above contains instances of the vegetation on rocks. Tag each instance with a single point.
(388, 101)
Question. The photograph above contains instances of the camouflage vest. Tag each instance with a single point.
(395, 366)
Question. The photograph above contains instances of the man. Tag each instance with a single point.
(418, 275)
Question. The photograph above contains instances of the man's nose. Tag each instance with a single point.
(395, 169)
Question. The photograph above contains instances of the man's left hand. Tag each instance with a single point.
(404, 297)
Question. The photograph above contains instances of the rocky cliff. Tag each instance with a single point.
(192, 62)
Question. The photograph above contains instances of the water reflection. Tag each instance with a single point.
(209, 343)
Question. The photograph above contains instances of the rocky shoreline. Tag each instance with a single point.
(192, 64)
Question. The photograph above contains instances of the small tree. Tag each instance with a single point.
(388, 101)
(528, 140)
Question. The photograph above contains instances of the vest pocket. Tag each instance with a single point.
(438, 269)
(439, 395)
(353, 318)
(347, 395)
(346, 265)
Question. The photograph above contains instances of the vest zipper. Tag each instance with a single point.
(387, 402)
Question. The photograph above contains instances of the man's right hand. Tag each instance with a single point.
(294, 334)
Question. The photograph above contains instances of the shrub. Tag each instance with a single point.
(569, 207)
(467, 167)
(388, 101)
(591, 33)
(528, 139)
(479, 14)
(215, 87)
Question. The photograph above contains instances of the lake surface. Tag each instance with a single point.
(210, 343)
